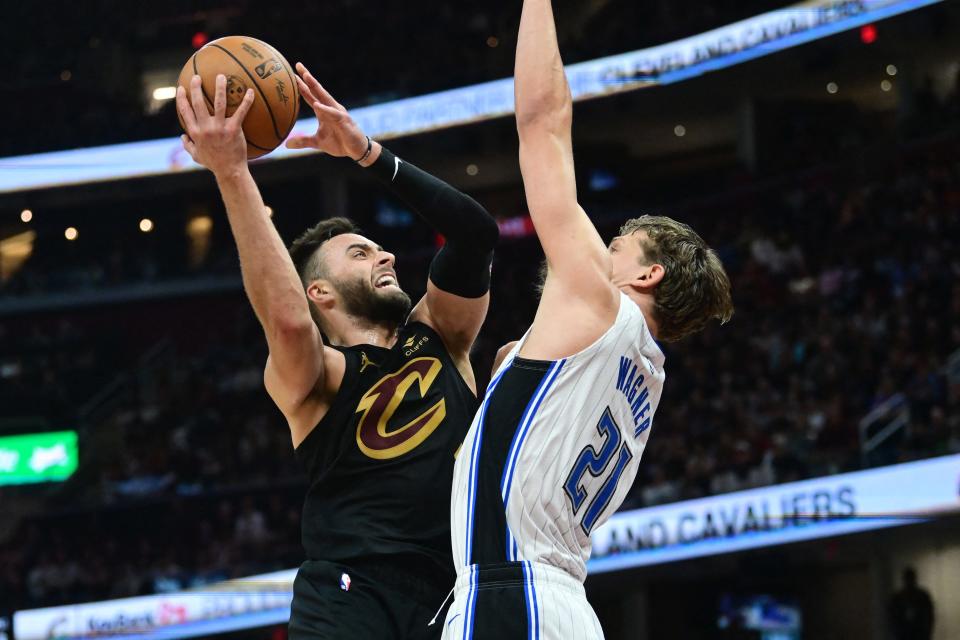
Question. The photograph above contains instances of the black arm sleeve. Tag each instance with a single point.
(462, 266)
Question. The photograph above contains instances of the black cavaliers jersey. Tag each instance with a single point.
(380, 462)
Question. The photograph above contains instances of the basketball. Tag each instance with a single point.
(249, 63)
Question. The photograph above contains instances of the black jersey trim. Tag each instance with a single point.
(510, 402)
(535, 365)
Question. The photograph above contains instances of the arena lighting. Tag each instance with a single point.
(200, 224)
(661, 65)
(164, 93)
(269, 212)
(891, 70)
(146, 225)
(26, 215)
(822, 507)
(199, 39)
(70, 233)
(679, 131)
(472, 169)
(868, 34)
(832, 87)
(15, 250)
(886, 85)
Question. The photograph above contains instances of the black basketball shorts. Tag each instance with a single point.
(336, 602)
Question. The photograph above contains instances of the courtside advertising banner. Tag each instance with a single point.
(660, 65)
(829, 506)
(248, 603)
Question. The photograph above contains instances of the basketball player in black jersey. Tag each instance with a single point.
(378, 396)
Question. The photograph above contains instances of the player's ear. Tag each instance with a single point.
(648, 277)
(320, 293)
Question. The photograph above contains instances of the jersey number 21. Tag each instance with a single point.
(596, 463)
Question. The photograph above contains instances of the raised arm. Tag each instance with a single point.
(295, 367)
(457, 297)
(577, 258)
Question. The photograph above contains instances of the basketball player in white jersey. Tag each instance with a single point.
(557, 441)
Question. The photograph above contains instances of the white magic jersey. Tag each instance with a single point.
(554, 449)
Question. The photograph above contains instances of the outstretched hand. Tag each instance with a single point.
(214, 141)
(337, 134)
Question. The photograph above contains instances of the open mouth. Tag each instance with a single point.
(385, 280)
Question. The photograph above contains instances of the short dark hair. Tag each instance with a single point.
(695, 287)
(304, 252)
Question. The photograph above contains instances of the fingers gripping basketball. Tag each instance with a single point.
(248, 63)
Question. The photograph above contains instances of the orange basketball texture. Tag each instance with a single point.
(249, 63)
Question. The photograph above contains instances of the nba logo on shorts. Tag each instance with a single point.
(345, 582)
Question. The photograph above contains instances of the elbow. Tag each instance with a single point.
(291, 327)
(477, 229)
(488, 231)
(546, 114)
(545, 122)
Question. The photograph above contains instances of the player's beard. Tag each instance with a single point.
(389, 306)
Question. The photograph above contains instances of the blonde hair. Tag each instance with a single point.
(695, 287)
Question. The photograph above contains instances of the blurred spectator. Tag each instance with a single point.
(250, 528)
(911, 610)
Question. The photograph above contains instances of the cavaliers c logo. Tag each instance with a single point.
(381, 401)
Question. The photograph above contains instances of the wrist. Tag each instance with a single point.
(360, 157)
(375, 150)
(384, 165)
(232, 174)
(357, 147)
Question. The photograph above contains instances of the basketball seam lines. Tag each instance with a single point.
(202, 90)
(207, 98)
(273, 120)
(293, 84)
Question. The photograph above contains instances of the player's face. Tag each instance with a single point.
(363, 275)
(626, 254)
